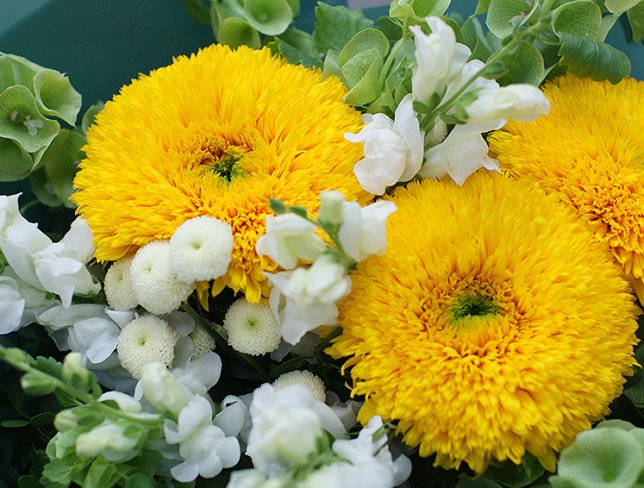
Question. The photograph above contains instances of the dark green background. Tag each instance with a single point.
(103, 44)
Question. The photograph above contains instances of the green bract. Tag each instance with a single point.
(609, 456)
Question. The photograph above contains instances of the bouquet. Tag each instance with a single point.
(402, 252)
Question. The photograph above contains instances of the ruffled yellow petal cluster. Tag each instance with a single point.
(217, 134)
(590, 151)
(491, 327)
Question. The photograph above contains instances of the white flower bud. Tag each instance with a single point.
(146, 340)
(201, 249)
(156, 286)
(162, 390)
(331, 209)
(118, 285)
(518, 102)
(108, 440)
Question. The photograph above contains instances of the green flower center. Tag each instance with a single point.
(474, 305)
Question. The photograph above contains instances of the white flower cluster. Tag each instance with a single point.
(393, 149)
(289, 436)
(303, 298)
(162, 274)
(199, 439)
(36, 267)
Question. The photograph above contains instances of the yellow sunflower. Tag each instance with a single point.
(218, 134)
(491, 327)
(589, 151)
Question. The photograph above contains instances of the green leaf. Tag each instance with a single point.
(620, 6)
(89, 116)
(56, 95)
(465, 481)
(334, 26)
(331, 65)
(524, 66)
(516, 476)
(42, 419)
(236, 32)
(413, 11)
(101, 475)
(60, 163)
(16, 163)
(52, 90)
(297, 47)
(361, 74)
(58, 471)
(28, 481)
(21, 121)
(482, 7)
(635, 18)
(363, 41)
(14, 424)
(389, 28)
(503, 14)
(580, 17)
(42, 189)
(270, 17)
(597, 60)
(600, 455)
(277, 206)
(220, 10)
(473, 36)
(139, 480)
(197, 10)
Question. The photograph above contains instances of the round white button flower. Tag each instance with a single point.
(146, 340)
(252, 328)
(201, 249)
(118, 285)
(202, 342)
(312, 382)
(156, 286)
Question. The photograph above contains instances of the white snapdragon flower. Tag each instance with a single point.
(12, 305)
(286, 425)
(161, 389)
(205, 448)
(393, 149)
(435, 54)
(54, 267)
(201, 249)
(367, 463)
(518, 102)
(364, 230)
(304, 299)
(199, 375)
(289, 238)
(109, 440)
(461, 153)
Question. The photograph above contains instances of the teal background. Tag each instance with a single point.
(103, 44)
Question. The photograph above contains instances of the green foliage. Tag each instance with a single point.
(525, 66)
(610, 455)
(503, 15)
(581, 17)
(597, 60)
(636, 21)
(411, 12)
(335, 26)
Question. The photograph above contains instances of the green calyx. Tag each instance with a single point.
(227, 168)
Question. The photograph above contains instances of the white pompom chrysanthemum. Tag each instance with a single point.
(201, 341)
(118, 286)
(145, 340)
(306, 378)
(201, 249)
(252, 328)
(156, 287)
